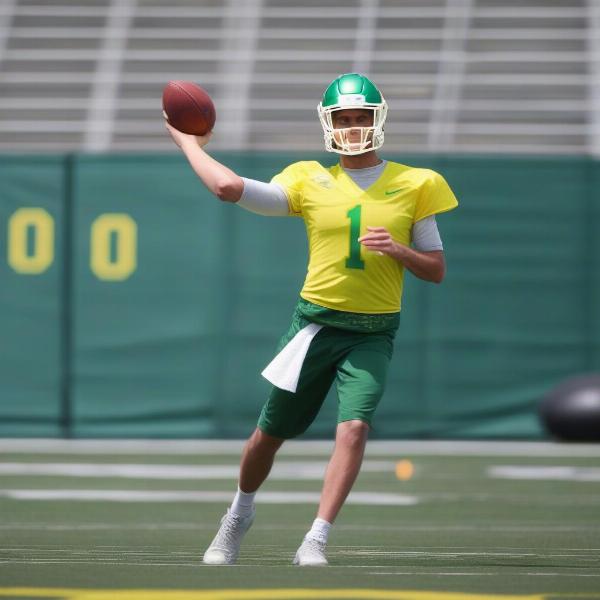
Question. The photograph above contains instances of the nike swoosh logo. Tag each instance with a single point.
(390, 192)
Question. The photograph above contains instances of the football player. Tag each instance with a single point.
(367, 220)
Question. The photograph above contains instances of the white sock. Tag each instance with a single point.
(243, 503)
(319, 530)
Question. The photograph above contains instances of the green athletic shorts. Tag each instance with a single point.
(356, 361)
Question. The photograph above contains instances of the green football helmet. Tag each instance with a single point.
(352, 90)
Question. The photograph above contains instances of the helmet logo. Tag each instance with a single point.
(351, 99)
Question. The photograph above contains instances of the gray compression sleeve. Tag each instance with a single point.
(267, 199)
(425, 235)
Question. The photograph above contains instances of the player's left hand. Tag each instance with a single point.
(379, 239)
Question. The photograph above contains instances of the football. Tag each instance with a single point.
(188, 107)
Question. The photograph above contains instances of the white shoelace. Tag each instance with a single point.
(229, 533)
(314, 545)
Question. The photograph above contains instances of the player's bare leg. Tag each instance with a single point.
(341, 473)
(257, 460)
(344, 465)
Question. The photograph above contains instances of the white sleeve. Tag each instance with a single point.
(425, 235)
(267, 199)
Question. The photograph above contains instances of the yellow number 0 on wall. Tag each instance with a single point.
(31, 244)
(25, 222)
(124, 230)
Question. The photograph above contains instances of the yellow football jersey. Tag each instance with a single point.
(343, 275)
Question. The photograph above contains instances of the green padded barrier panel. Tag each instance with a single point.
(506, 324)
(170, 303)
(33, 191)
(147, 320)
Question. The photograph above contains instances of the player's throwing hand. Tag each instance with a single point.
(181, 139)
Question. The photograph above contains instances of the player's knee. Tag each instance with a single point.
(352, 434)
(263, 442)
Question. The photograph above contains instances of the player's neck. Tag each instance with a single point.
(359, 161)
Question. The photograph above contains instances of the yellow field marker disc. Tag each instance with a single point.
(404, 470)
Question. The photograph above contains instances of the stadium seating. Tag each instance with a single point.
(459, 75)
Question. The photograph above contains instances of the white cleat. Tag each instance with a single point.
(224, 549)
(311, 554)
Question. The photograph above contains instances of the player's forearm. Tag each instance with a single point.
(429, 266)
(219, 179)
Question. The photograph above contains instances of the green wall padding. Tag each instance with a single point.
(31, 350)
(172, 344)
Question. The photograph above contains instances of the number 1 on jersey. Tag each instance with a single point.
(354, 261)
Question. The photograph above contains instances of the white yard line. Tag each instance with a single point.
(544, 472)
(184, 526)
(362, 498)
(281, 471)
(395, 448)
(476, 574)
(299, 470)
(299, 497)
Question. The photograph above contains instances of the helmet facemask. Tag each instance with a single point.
(353, 140)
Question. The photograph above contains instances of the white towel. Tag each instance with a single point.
(284, 370)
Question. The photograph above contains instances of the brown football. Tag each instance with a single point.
(188, 107)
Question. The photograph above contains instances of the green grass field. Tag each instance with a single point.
(126, 521)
